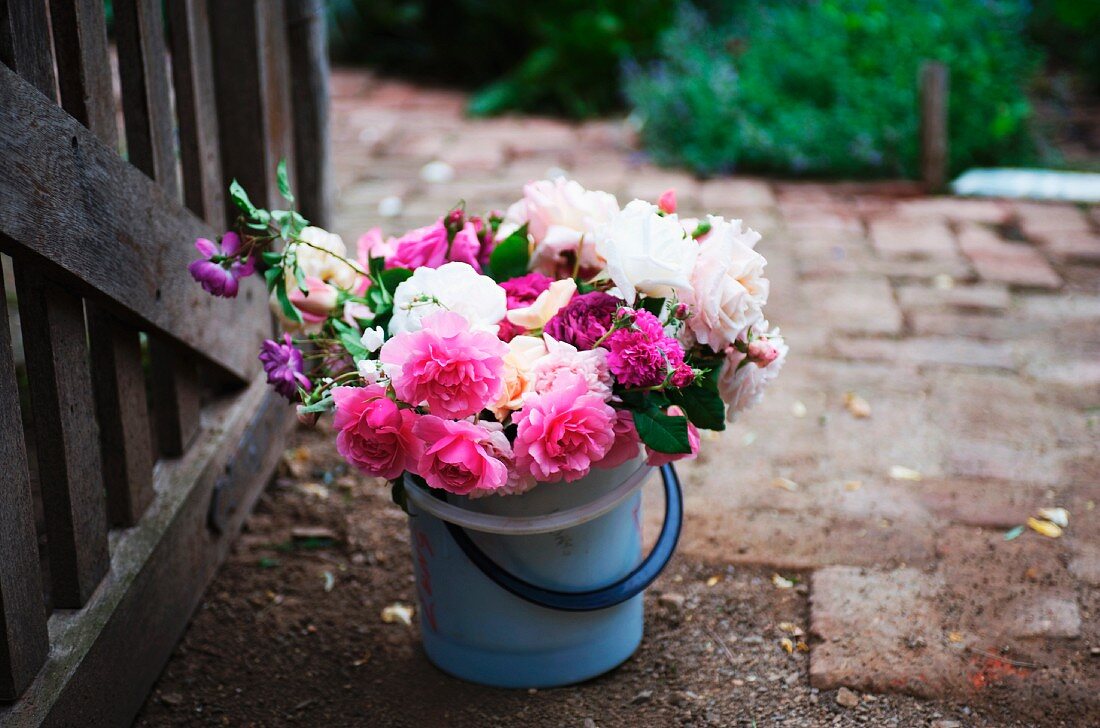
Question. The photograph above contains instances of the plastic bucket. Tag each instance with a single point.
(540, 589)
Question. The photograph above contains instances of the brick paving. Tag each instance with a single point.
(971, 327)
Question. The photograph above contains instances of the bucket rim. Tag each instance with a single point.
(424, 501)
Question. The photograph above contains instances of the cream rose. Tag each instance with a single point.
(523, 352)
(318, 259)
(729, 289)
(548, 303)
(647, 253)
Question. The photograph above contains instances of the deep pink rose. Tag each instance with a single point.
(466, 247)
(560, 434)
(584, 319)
(657, 459)
(426, 246)
(642, 355)
(627, 443)
(374, 434)
(461, 457)
(458, 372)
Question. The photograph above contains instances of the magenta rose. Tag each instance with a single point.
(584, 319)
(461, 457)
(374, 434)
(456, 371)
(642, 355)
(560, 434)
(657, 459)
(422, 247)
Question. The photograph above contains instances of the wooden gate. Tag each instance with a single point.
(145, 431)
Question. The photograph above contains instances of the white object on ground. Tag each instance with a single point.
(437, 172)
(1035, 184)
(390, 206)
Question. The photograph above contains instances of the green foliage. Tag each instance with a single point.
(831, 87)
(510, 257)
(1069, 32)
(661, 432)
(558, 56)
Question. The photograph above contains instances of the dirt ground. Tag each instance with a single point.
(291, 633)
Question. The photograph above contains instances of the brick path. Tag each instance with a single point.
(970, 327)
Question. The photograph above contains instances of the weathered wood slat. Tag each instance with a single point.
(84, 71)
(96, 222)
(193, 80)
(181, 392)
(25, 43)
(253, 100)
(66, 436)
(310, 103)
(23, 639)
(118, 383)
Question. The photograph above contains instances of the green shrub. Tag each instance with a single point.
(557, 56)
(830, 86)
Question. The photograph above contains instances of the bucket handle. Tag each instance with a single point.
(626, 588)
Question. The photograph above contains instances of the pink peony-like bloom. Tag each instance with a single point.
(584, 320)
(220, 268)
(522, 292)
(656, 459)
(456, 371)
(374, 434)
(498, 446)
(562, 433)
(642, 355)
(461, 457)
(563, 364)
(627, 443)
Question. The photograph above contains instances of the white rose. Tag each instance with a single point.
(560, 213)
(450, 287)
(728, 284)
(647, 253)
(742, 385)
(372, 339)
(319, 258)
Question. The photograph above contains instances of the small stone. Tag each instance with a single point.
(845, 698)
(1095, 651)
(589, 723)
(672, 599)
(172, 699)
(945, 723)
(643, 697)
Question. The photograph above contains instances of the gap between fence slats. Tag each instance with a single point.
(309, 102)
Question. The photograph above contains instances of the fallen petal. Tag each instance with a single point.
(1059, 516)
(1046, 528)
(900, 472)
(398, 612)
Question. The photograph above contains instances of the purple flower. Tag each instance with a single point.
(644, 356)
(283, 365)
(584, 319)
(521, 292)
(220, 267)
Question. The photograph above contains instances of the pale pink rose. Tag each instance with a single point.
(560, 434)
(458, 456)
(627, 443)
(560, 214)
(374, 434)
(523, 352)
(667, 202)
(563, 364)
(729, 289)
(355, 312)
(456, 371)
(656, 459)
(545, 306)
(498, 446)
(316, 303)
(742, 381)
(370, 245)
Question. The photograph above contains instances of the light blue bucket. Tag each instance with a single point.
(541, 589)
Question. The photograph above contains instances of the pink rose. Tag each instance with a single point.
(563, 364)
(627, 442)
(426, 246)
(657, 459)
(316, 303)
(371, 245)
(458, 372)
(461, 457)
(374, 435)
(560, 434)
(667, 202)
(466, 246)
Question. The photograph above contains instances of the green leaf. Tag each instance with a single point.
(661, 432)
(510, 257)
(271, 257)
(284, 301)
(240, 198)
(351, 340)
(702, 405)
(273, 275)
(653, 305)
(284, 181)
(392, 278)
(397, 492)
(322, 405)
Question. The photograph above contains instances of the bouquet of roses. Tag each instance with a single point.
(487, 354)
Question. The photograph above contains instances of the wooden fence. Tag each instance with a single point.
(145, 431)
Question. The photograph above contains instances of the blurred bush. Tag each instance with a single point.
(1069, 32)
(830, 86)
(557, 56)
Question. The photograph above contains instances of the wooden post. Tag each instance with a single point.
(934, 153)
(310, 104)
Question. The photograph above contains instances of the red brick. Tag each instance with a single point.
(928, 350)
(1038, 218)
(855, 304)
(1071, 247)
(991, 297)
(1013, 263)
(720, 194)
(899, 238)
(955, 209)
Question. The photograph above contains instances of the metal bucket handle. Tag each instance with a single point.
(587, 601)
